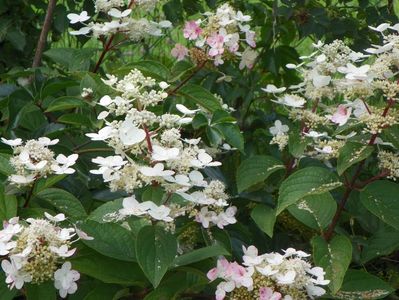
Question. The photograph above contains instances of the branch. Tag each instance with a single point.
(43, 34)
(181, 84)
(102, 55)
(351, 185)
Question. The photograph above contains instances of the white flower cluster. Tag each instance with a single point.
(270, 276)
(355, 80)
(35, 251)
(33, 160)
(121, 20)
(220, 35)
(150, 150)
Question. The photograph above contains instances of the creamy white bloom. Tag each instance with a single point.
(64, 280)
(75, 18)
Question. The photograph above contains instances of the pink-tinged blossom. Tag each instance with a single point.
(216, 42)
(266, 293)
(250, 38)
(191, 30)
(179, 52)
(341, 116)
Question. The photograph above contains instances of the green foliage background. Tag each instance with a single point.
(51, 106)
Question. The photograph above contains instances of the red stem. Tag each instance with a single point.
(105, 50)
(148, 138)
(351, 186)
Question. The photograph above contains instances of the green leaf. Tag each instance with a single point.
(265, 217)
(8, 205)
(31, 117)
(70, 58)
(106, 269)
(391, 134)
(179, 69)
(221, 116)
(41, 291)
(200, 96)
(156, 250)
(380, 198)
(44, 183)
(5, 292)
(5, 166)
(104, 213)
(232, 135)
(64, 103)
(305, 182)
(75, 119)
(54, 87)
(360, 285)
(297, 144)
(106, 292)
(350, 154)
(61, 56)
(110, 239)
(150, 68)
(172, 287)
(256, 169)
(334, 257)
(200, 254)
(63, 201)
(383, 242)
(315, 211)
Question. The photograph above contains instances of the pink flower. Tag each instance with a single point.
(341, 116)
(216, 42)
(179, 52)
(250, 38)
(267, 293)
(191, 30)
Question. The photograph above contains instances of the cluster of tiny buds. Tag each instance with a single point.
(36, 251)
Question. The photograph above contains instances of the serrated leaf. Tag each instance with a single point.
(315, 211)
(110, 239)
(334, 257)
(256, 169)
(350, 154)
(305, 182)
(156, 251)
(200, 96)
(63, 201)
(380, 198)
(200, 254)
(360, 285)
(265, 217)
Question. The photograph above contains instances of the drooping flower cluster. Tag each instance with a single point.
(33, 160)
(129, 20)
(270, 276)
(36, 251)
(365, 85)
(150, 150)
(220, 36)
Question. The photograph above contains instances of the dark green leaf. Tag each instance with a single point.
(380, 198)
(265, 217)
(256, 169)
(156, 250)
